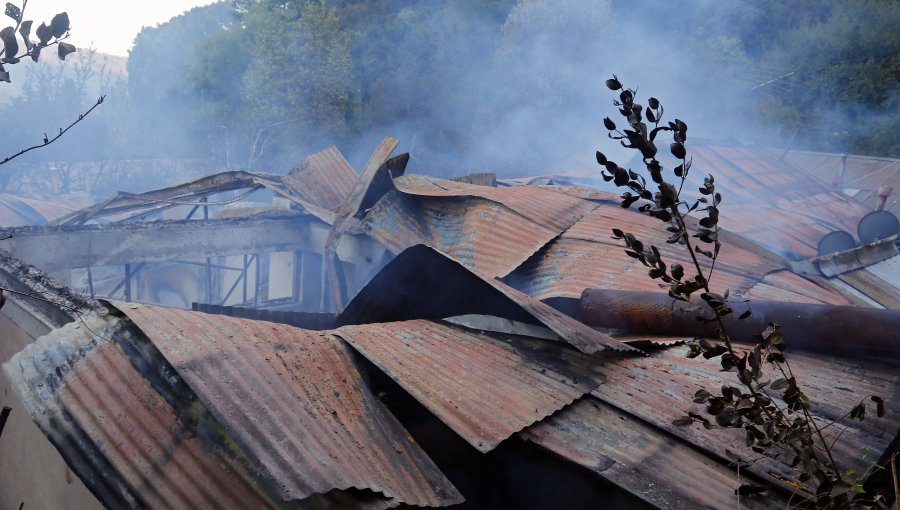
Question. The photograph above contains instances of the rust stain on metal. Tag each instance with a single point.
(480, 386)
(324, 178)
(294, 401)
(662, 470)
(152, 452)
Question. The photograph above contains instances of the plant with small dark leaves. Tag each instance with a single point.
(774, 412)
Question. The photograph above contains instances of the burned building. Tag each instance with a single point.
(387, 339)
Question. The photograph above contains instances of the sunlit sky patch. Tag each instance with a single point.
(109, 25)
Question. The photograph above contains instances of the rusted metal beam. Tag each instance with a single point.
(843, 330)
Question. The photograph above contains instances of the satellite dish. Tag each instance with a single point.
(877, 225)
(836, 241)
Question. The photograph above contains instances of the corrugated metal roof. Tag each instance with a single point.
(597, 227)
(542, 205)
(660, 469)
(124, 440)
(769, 201)
(294, 401)
(482, 387)
(126, 206)
(422, 283)
(660, 388)
(787, 286)
(482, 235)
(324, 178)
(856, 175)
(888, 270)
(586, 256)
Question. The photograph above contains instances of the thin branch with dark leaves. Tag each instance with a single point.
(775, 414)
(48, 141)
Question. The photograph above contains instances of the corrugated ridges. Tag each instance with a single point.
(598, 225)
(664, 471)
(543, 205)
(481, 387)
(293, 400)
(660, 388)
(119, 435)
(787, 286)
(568, 266)
(769, 201)
(324, 178)
(480, 234)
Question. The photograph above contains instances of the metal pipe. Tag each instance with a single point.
(844, 330)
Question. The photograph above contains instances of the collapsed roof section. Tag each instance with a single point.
(547, 241)
(255, 415)
(161, 407)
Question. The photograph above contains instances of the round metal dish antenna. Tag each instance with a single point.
(877, 225)
(836, 241)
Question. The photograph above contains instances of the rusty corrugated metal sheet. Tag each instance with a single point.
(324, 178)
(660, 388)
(597, 227)
(422, 283)
(855, 175)
(126, 442)
(787, 286)
(542, 205)
(585, 256)
(482, 235)
(769, 201)
(482, 387)
(295, 402)
(125, 206)
(658, 468)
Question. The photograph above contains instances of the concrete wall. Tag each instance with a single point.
(31, 470)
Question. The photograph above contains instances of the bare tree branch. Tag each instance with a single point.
(48, 141)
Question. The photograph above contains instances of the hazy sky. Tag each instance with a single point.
(110, 24)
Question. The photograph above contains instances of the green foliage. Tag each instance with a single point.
(287, 78)
(768, 402)
(161, 119)
(843, 56)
